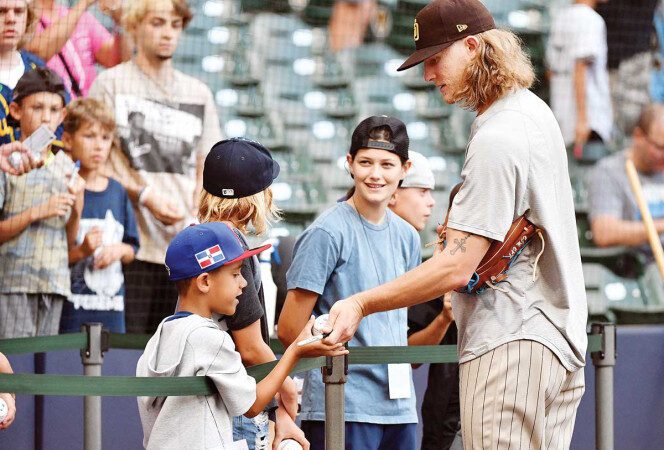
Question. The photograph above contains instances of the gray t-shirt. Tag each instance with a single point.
(516, 164)
(610, 194)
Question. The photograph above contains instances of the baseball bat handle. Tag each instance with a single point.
(653, 237)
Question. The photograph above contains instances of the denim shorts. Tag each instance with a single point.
(254, 431)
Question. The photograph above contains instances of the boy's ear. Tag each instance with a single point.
(405, 168)
(64, 114)
(203, 283)
(393, 200)
(15, 111)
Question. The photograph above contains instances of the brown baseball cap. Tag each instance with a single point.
(443, 22)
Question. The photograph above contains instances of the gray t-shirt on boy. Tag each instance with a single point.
(516, 163)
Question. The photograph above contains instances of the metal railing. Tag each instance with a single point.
(94, 342)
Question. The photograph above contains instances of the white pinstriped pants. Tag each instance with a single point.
(518, 396)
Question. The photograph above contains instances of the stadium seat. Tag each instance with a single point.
(652, 309)
(373, 60)
(317, 12)
(265, 129)
(222, 11)
(234, 101)
(329, 72)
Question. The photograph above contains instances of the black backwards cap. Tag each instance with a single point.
(397, 145)
(237, 168)
(40, 79)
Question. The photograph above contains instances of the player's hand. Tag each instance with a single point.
(26, 163)
(11, 413)
(107, 255)
(163, 209)
(58, 205)
(317, 348)
(345, 317)
(285, 428)
(92, 241)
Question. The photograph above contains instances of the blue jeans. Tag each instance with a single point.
(254, 431)
(365, 436)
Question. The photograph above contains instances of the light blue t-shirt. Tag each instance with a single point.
(339, 255)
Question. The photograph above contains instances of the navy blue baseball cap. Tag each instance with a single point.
(237, 168)
(203, 248)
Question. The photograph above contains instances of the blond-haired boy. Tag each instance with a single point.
(107, 236)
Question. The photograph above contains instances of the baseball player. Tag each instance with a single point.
(522, 337)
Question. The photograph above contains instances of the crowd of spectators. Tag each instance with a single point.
(86, 241)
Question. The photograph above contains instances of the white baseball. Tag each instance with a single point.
(319, 324)
(289, 444)
(4, 410)
(15, 160)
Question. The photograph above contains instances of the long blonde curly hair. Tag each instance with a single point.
(499, 67)
(258, 210)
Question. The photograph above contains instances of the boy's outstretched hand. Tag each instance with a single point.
(317, 348)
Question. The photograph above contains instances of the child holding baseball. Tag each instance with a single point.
(39, 217)
(107, 237)
(205, 261)
(237, 176)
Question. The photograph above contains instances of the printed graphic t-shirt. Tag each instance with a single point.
(109, 210)
(163, 129)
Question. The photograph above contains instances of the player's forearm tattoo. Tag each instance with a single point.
(460, 245)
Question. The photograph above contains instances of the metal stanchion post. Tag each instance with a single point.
(92, 358)
(334, 377)
(604, 362)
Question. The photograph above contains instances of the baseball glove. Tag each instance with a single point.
(500, 256)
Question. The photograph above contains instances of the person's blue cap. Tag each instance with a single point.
(203, 248)
(237, 168)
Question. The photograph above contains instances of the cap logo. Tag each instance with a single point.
(416, 31)
(461, 27)
(228, 192)
(210, 256)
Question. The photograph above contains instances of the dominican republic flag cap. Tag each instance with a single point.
(203, 248)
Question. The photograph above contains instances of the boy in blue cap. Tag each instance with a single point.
(205, 262)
